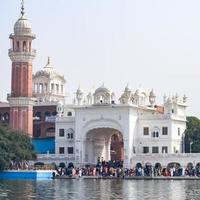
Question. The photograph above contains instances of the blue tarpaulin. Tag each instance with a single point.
(43, 146)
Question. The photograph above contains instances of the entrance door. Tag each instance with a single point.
(104, 143)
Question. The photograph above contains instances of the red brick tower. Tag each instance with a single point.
(21, 55)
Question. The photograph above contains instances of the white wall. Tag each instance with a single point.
(129, 120)
(65, 123)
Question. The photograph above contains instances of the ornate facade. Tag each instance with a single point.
(89, 128)
(97, 124)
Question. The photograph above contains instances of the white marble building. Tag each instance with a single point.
(48, 85)
(84, 129)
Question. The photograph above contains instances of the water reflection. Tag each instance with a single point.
(100, 189)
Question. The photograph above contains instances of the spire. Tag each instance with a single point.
(48, 65)
(48, 61)
(126, 87)
(22, 8)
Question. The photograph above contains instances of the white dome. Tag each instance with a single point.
(127, 89)
(22, 27)
(48, 68)
(103, 95)
(140, 91)
(49, 71)
(103, 89)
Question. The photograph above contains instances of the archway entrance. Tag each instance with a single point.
(104, 144)
(117, 147)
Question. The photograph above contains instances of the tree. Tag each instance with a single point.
(192, 135)
(15, 147)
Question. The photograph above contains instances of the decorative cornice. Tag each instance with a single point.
(21, 101)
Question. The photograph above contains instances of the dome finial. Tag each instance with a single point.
(49, 60)
(22, 8)
(48, 65)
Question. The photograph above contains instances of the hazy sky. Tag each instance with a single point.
(152, 43)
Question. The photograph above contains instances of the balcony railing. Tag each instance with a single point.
(26, 56)
(11, 51)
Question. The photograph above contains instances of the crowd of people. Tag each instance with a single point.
(116, 169)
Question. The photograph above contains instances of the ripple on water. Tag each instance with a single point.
(100, 189)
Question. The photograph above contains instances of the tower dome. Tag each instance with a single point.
(22, 26)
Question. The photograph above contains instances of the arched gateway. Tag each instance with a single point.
(102, 139)
(103, 143)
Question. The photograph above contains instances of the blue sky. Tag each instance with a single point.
(152, 43)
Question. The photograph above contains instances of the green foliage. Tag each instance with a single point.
(196, 147)
(15, 147)
(192, 135)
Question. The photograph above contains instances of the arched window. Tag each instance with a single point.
(17, 49)
(24, 46)
(70, 133)
(29, 46)
(35, 88)
(13, 45)
(155, 132)
(46, 87)
(57, 88)
(52, 87)
(69, 114)
(40, 88)
(61, 88)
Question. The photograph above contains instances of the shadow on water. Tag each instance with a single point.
(99, 189)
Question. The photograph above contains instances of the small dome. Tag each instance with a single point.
(79, 91)
(49, 71)
(140, 91)
(22, 27)
(48, 68)
(103, 89)
(127, 89)
(103, 95)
